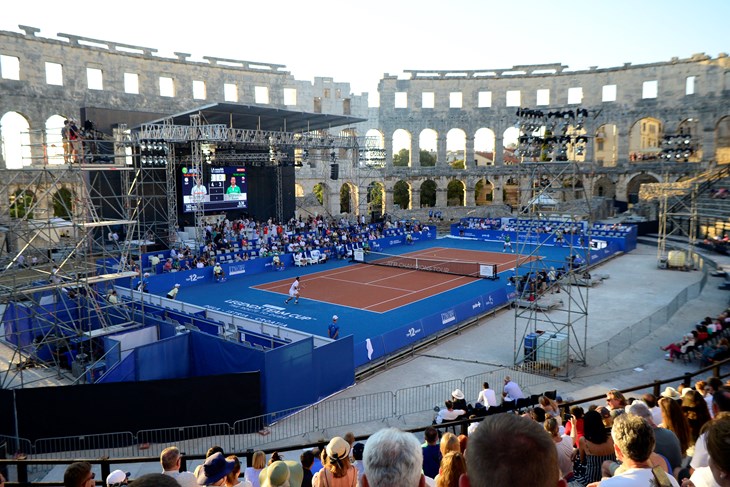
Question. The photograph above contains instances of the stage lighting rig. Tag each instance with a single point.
(550, 136)
(153, 153)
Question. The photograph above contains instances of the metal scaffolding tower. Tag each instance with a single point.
(61, 227)
(551, 328)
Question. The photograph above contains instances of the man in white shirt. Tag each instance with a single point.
(633, 439)
(448, 413)
(487, 397)
(198, 192)
(170, 460)
(512, 391)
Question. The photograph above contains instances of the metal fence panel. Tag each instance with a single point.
(267, 428)
(193, 440)
(353, 410)
(422, 398)
(89, 446)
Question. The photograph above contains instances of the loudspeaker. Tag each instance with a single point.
(334, 171)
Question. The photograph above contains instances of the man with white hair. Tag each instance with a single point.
(393, 458)
(666, 442)
(170, 459)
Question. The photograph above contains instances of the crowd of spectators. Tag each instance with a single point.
(706, 341)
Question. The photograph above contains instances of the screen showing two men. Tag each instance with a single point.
(224, 188)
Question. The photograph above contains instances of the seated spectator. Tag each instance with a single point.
(307, 460)
(232, 479)
(453, 466)
(431, 452)
(449, 442)
(487, 397)
(666, 442)
(594, 448)
(257, 465)
(117, 478)
(357, 451)
(564, 447)
(448, 413)
(170, 459)
(551, 408)
(218, 273)
(507, 450)
(718, 449)
(695, 410)
(574, 427)
(215, 469)
(711, 353)
(154, 480)
(673, 419)
(615, 399)
(167, 266)
(336, 469)
(511, 391)
(634, 442)
(392, 458)
(282, 474)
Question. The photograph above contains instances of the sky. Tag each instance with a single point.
(357, 42)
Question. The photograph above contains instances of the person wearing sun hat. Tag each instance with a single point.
(671, 393)
(282, 473)
(337, 470)
(215, 469)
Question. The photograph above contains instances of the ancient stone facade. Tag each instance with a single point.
(630, 108)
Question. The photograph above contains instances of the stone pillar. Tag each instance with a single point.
(706, 143)
(441, 151)
(440, 198)
(389, 200)
(498, 150)
(332, 203)
(388, 146)
(469, 161)
(469, 195)
(623, 147)
(415, 152)
(38, 156)
(497, 190)
(415, 198)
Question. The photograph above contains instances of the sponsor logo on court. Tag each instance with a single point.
(264, 310)
(194, 278)
(448, 317)
(237, 269)
(489, 301)
(412, 332)
(476, 305)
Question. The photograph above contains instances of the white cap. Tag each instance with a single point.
(334, 317)
(146, 274)
(116, 477)
(177, 285)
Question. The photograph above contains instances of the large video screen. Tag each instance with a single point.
(218, 188)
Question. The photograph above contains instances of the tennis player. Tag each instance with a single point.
(293, 292)
(507, 243)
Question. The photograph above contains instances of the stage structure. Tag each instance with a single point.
(59, 216)
(551, 328)
(202, 143)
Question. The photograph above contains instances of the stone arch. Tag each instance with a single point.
(428, 193)
(63, 203)
(348, 198)
(321, 192)
(54, 141)
(510, 141)
(427, 147)
(374, 154)
(576, 149)
(484, 142)
(604, 187)
(402, 148)
(402, 194)
(634, 184)
(456, 148)
(15, 134)
(691, 128)
(22, 202)
(455, 193)
(483, 192)
(645, 139)
(298, 190)
(605, 147)
(376, 199)
(722, 141)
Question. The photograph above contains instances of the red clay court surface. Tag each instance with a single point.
(381, 289)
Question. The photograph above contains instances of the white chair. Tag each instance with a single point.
(298, 261)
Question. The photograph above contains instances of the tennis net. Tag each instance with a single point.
(443, 266)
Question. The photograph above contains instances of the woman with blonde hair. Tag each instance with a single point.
(257, 465)
(551, 408)
(449, 442)
(673, 419)
(452, 466)
(336, 468)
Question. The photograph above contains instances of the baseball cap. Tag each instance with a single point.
(177, 285)
(334, 317)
